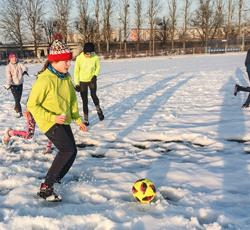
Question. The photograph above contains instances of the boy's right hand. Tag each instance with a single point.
(60, 119)
(94, 78)
(77, 88)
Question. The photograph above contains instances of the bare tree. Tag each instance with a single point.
(153, 9)
(240, 6)
(107, 14)
(172, 6)
(138, 21)
(34, 11)
(186, 21)
(208, 19)
(164, 29)
(49, 26)
(97, 37)
(228, 26)
(219, 18)
(62, 11)
(82, 25)
(89, 25)
(124, 20)
(11, 21)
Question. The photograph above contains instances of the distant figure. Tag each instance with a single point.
(239, 88)
(14, 74)
(87, 68)
(247, 63)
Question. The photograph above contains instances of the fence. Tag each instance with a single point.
(116, 54)
(133, 53)
(223, 50)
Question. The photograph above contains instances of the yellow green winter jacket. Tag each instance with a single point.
(51, 96)
(86, 68)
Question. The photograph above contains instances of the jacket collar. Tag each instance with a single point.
(57, 73)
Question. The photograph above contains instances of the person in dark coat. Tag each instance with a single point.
(247, 63)
(239, 88)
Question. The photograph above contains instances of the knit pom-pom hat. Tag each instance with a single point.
(57, 36)
(59, 51)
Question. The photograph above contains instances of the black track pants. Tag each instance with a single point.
(17, 91)
(62, 137)
(84, 94)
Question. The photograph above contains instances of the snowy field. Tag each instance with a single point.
(173, 120)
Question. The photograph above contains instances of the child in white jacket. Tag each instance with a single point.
(14, 76)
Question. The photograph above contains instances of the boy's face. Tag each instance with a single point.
(89, 55)
(62, 66)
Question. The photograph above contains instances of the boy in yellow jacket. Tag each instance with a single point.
(87, 68)
(53, 104)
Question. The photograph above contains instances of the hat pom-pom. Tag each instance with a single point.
(57, 36)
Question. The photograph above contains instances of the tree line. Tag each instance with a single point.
(94, 20)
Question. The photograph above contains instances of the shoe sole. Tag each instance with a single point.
(57, 199)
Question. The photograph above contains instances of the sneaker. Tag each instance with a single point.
(236, 89)
(47, 193)
(47, 150)
(85, 119)
(245, 105)
(19, 114)
(100, 115)
(6, 137)
(86, 123)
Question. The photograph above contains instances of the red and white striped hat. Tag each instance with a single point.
(59, 51)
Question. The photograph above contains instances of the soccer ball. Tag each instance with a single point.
(144, 190)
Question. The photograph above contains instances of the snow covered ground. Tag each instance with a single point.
(173, 120)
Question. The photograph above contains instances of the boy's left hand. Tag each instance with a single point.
(77, 88)
(94, 78)
(7, 87)
(83, 127)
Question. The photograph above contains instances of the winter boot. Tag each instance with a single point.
(236, 89)
(85, 119)
(18, 115)
(6, 137)
(99, 113)
(47, 193)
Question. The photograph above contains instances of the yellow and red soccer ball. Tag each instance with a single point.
(144, 191)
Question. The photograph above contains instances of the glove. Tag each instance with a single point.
(94, 78)
(25, 73)
(77, 88)
(7, 87)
